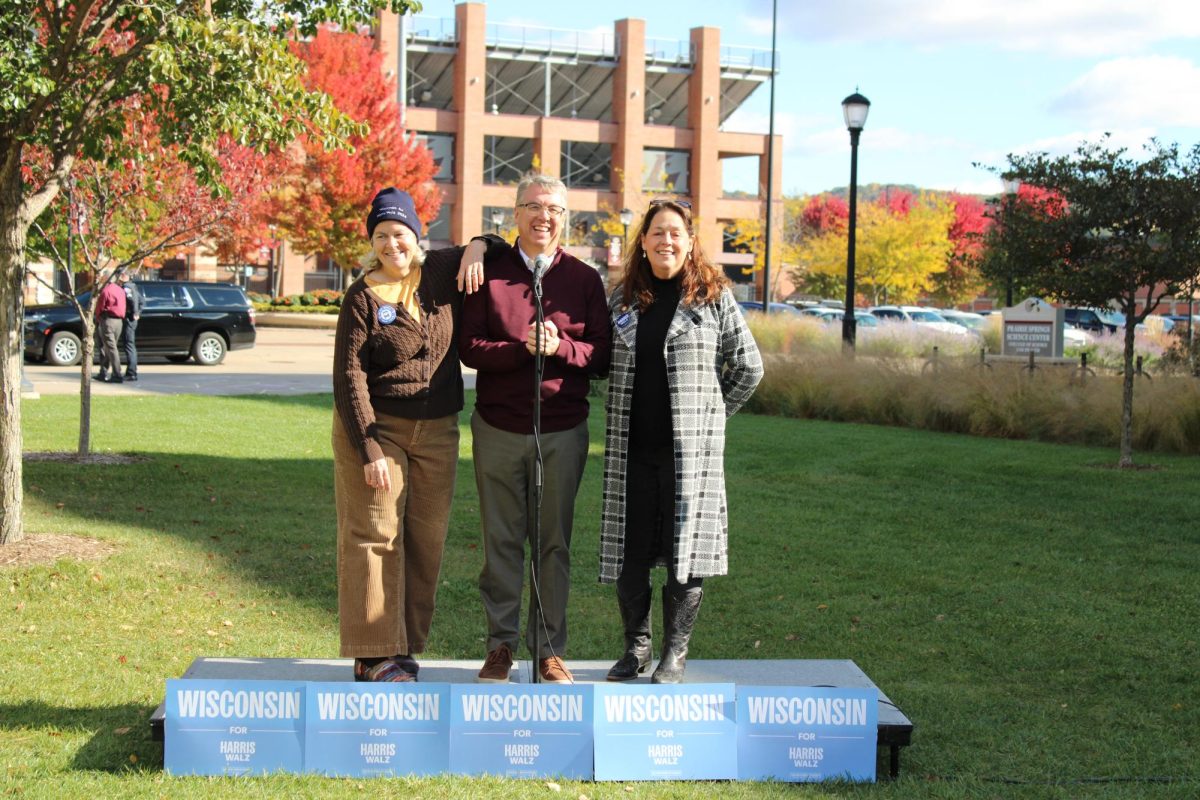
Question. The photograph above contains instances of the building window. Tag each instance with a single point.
(586, 165)
(665, 170)
(583, 230)
(441, 147)
(438, 229)
(506, 159)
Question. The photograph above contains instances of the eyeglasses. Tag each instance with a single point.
(665, 200)
(538, 208)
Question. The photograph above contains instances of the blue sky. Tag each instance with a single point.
(950, 82)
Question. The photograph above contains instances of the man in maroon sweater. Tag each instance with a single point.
(499, 339)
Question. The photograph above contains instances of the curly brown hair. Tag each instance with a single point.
(702, 280)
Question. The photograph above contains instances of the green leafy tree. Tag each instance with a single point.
(203, 68)
(1111, 229)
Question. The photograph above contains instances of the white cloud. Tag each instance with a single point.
(1124, 92)
(1073, 27)
(1130, 138)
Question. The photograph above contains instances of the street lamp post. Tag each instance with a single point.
(854, 110)
(626, 218)
(1011, 187)
(497, 220)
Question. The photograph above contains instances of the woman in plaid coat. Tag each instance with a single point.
(683, 361)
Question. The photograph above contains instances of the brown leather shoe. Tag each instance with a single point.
(553, 670)
(496, 666)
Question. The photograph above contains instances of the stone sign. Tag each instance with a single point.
(1033, 326)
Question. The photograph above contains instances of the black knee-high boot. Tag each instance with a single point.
(634, 605)
(680, 608)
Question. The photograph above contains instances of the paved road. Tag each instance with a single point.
(282, 361)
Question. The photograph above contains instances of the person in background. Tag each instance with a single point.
(133, 312)
(499, 339)
(398, 388)
(683, 362)
(110, 317)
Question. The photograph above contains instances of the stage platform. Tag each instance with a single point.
(895, 729)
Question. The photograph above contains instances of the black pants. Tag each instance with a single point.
(650, 521)
(129, 343)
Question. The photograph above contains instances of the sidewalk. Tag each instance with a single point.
(282, 361)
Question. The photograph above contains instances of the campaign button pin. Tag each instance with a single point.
(386, 315)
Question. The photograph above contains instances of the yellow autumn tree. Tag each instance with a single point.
(898, 252)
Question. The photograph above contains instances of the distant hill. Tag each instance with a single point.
(869, 192)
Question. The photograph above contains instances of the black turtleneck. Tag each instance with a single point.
(650, 415)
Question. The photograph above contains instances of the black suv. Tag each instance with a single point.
(180, 319)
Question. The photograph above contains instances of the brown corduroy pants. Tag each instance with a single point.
(390, 543)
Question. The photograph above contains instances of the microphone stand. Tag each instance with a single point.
(535, 547)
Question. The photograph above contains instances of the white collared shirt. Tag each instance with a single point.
(529, 259)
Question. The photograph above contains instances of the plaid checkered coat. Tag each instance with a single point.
(713, 366)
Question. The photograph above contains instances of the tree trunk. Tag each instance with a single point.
(12, 319)
(85, 373)
(1126, 459)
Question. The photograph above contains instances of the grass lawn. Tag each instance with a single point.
(1035, 613)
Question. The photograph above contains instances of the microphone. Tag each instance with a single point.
(540, 265)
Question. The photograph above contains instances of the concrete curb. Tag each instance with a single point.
(285, 319)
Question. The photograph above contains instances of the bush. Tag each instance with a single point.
(327, 297)
(894, 387)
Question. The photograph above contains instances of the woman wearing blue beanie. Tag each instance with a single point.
(398, 388)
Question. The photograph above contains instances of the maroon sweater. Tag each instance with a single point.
(495, 323)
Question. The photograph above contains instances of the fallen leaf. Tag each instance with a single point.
(133, 759)
(122, 659)
(791, 637)
(211, 633)
(227, 623)
(60, 505)
(757, 642)
(122, 731)
(940, 617)
(126, 627)
(20, 606)
(855, 620)
(554, 787)
(823, 607)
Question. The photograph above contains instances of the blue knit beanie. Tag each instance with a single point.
(393, 204)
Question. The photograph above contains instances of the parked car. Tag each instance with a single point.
(776, 308)
(924, 317)
(1075, 338)
(1100, 320)
(967, 319)
(829, 316)
(180, 320)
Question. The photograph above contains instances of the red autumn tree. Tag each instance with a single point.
(143, 204)
(961, 281)
(326, 193)
(824, 212)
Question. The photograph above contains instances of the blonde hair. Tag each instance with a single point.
(370, 262)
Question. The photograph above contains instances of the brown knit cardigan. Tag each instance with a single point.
(384, 361)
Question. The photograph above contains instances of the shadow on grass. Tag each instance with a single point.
(273, 521)
(120, 734)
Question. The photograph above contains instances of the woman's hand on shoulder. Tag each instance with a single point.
(470, 267)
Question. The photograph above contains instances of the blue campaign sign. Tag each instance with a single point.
(660, 732)
(800, 734)
(521, 730)
(233, 727)
(377, 729)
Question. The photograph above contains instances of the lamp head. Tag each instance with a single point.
(854, 110)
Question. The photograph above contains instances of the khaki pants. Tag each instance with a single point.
(390, 543)
(504, 475)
